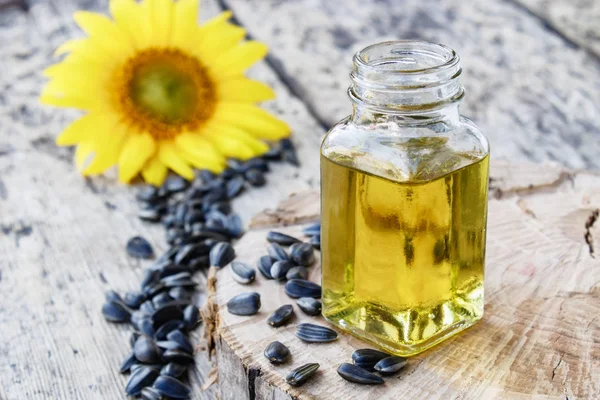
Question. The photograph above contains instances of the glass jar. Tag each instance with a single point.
(404, 202)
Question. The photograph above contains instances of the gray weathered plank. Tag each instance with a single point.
(536, 97)
(579, 20)
(62, 237)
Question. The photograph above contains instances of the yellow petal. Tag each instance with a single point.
(109, 138)
(238, 59)
(160, 14)
(80, 130)
(243, 89)
(167, 154)
(129, 18)
(230, 147)
(82, 153)
(185, 22)
(135, 153)
(154, 171)
(59, 100)
(194, 143)
(69, 46)
(218, 40)
(200, 162)
(251, 119)
(104, 32)
(258, 147)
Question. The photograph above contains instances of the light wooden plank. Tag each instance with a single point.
(62, 237)
(537, 339)
(535, 96)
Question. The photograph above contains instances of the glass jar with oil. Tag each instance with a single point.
(404, 202)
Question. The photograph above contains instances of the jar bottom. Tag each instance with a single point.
(404, 332)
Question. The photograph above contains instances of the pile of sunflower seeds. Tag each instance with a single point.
(199, 224)
(282, 265)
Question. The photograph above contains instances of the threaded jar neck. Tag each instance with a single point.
(405, 77)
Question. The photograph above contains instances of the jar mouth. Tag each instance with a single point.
(406, 75)
(406, 57)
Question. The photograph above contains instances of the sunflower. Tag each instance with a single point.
(160, 92)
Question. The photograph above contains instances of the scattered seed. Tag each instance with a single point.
(115, 311)
(142, 377)
(146, 350)
(264, 266)
(169, 326)
(279, 269)
(301, 374)
(281, 316)
(242, 272)
(171, 387)
(173, 369)
(221, 254)
(281, 238)
(297, 273)
(149, 393)
(297, 288)
(178, 356)
(367, 358)
(138, 247)
(255, 177)
(244, 304)
(191, 317)
(315, 333)
(277, 253)
(277, 353)
(356, 374)
(302, 254)
(183, 342)
(127, 363)
(134, 299)
(309, 305)
(390, 365)
(313, 229)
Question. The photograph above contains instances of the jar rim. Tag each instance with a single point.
(450, 57)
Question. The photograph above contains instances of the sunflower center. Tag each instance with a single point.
(164, 92)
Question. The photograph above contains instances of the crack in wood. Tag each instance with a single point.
(530, 189)
(280, 71)
(589, 239)
(253, 373)
(556, 367)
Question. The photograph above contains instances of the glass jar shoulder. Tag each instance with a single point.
(405, 153)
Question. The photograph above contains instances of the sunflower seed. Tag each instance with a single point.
(297, 273)
(178, 356)
(309, 305)
(390, 365)
(234, 187)
(161, 300)
(264, 266)
(166, 313)
(280, 268)
(146, 351)
(222, 207)
(277, 253)
(191, 317)
(206, 175)
(183, 342)
(138, 247)
(257, 163)
(277, 353)
(127, 363)
(153, 289)
(175, 183)
(142, 377)
(301, 374)
(169, 326)
(149, 393)
(244, 304)
(145, 326)
(315, 241)
(221, 254)
(273, 154)
(190, 251)
(242, 272)
(235, 226)
(356, 374)
(302, 254)
(315, 333)
(291, 157)
(171, 387)
(281, 316)
(302, 288)
(134, 299)
(115, 311)
(111, 295)
(147, 193)
(150, 215)
(173, 369)
(281, 238)
(255, 177)
(132, 338)
(313, 229)
(147, 307)
(179, 293)
(367, 358)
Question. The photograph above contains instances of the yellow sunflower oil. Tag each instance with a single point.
(404, 185)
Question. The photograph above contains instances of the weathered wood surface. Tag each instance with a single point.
(539, 338)
(62, 237)
(530, 91)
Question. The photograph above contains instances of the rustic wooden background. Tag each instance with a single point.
(532, 74)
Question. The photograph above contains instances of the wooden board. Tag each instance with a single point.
(540, 335)
(62, 237)
(533, 93)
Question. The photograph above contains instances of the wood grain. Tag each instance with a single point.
(62, 237)
(539, 337)
(531, 92)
